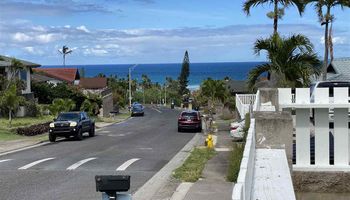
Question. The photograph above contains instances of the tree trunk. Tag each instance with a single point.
(275, 18)
(10, 118)
(326, 46)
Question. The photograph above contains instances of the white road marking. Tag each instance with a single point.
(78, 164)
(125, 165)
(5, 160)
(145, 148)
(35, 163)
(157, 110)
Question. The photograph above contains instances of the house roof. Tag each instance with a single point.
(93, 83)
(36, 77)
(6, 61)
(340, 69)
(237, 86)
(64, 74)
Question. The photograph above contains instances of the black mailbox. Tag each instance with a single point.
(112, 183)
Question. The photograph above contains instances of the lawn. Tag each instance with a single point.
(192, 168)
(8, 133)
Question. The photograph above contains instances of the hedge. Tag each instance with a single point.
(32, 130)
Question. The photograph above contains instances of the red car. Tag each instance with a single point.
(190, 120)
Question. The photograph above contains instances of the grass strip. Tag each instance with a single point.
(192, 168)
(235, 159)
(236, 154)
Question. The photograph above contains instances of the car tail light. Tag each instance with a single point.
(182, 119)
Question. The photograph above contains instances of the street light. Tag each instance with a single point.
(130, 69)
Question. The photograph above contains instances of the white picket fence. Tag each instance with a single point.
(243, 102)
(243, 188)
(326, 109)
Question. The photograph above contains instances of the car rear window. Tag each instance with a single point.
(189, 114)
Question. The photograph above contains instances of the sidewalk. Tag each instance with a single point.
(213, 185)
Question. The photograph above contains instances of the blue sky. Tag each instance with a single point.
(150, 31)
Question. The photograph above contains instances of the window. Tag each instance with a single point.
(23, 75)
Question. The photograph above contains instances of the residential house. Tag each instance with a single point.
(237, 87)
(98, 85)
(24, 74)
(339, 70)
(93, 85)
(59, 75)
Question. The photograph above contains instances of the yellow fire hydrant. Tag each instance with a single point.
(209, 141)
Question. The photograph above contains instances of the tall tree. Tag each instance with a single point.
(14, 69)
(291, 59)
(185, 73)
(277, 12)
(10, 100)
(65, 51)
(323, 9)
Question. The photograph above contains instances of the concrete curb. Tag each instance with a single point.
(181, 191)
(149, 189)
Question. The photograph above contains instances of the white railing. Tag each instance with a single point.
(243, 188)
(324, 109)
(243, 102)
(256, 106)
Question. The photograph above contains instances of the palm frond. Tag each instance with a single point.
(255, 73)
(252, 3)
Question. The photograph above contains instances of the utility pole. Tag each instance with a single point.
(165, 95)
(130, 69)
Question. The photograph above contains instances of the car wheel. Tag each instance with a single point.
(79, 135)
(143, 114)
(200, 129)
(52, 137)
(92, 131)
(179, 129)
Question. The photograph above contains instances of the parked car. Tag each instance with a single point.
(327, 84)
(190, 120)
(330, 85)
(71, 124)
(137, 110)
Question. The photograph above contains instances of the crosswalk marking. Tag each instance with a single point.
(78, 164)
(127, 164)
(35, 163)
(5, 160)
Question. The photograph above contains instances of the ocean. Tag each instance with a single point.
(158, 72)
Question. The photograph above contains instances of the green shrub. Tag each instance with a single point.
(33, 109)
(235, 159)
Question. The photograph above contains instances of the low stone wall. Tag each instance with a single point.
(328, 182)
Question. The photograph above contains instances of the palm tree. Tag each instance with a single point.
(278, 12)
(10, 100)
(214, 90)
(325, 19)
(64, 51)
(90, 106)
(61, 105)
(291, 59)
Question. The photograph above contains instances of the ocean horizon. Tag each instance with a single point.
(159, 72)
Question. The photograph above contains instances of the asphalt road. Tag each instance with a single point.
(65, 170)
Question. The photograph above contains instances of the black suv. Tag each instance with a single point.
(71, 124)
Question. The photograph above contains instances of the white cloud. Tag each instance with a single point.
(33, 51)
(66, 26)
(83, 28)
(335, 40)
(95, 52)
(21, 37)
